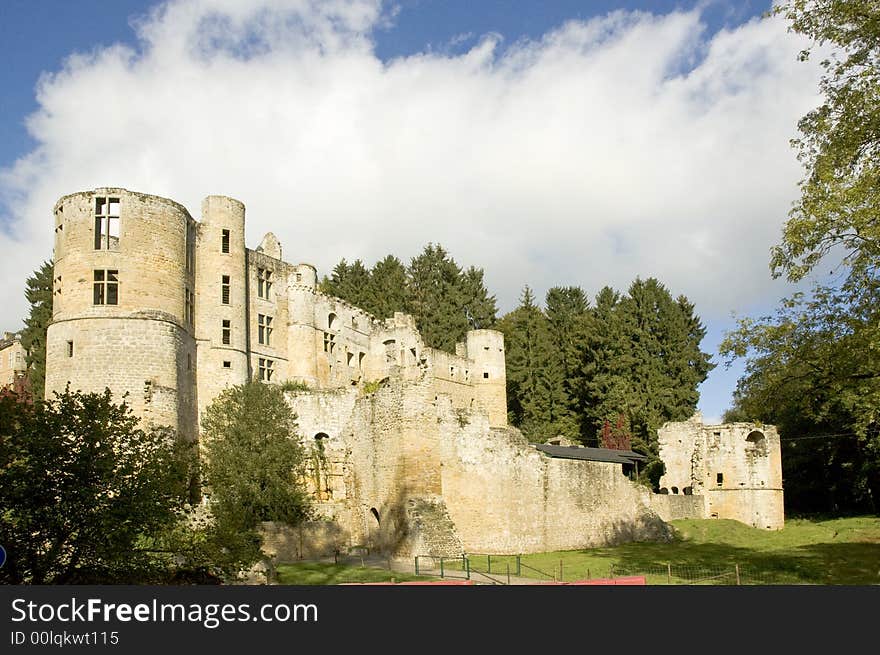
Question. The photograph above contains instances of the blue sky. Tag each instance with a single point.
(549, 142)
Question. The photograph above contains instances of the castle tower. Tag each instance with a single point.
(222, 302)
(122, 310)
(302, 334)
(486, 349)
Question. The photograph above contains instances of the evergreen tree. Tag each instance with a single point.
(387, 288)
(478, 306)
(565, 309)
(527, 345)
(435, 298)
(33, 338)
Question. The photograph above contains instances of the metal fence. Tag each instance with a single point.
(499, 569)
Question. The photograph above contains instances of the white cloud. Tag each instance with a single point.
(628, 145)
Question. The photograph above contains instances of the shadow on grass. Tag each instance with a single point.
(825, 563)
(324, 573)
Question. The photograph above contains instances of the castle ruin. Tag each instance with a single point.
(411, 451)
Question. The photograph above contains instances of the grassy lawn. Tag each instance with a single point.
(837, 552)
(323, 573)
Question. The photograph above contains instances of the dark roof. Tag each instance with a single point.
(591, 454)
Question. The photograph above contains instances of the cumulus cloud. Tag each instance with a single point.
(630, 144)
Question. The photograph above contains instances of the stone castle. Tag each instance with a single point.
(410, 448)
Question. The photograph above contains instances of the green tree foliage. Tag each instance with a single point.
(33, 338)
(527, 348)
(641, 359)
(632, 361)
(812, 370)
(812, 367)
(445, 300)
(253, 470)
(82, 489)
(387, 287)
(839, 144)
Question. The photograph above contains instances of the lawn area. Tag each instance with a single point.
(324, 573)
(843, 551)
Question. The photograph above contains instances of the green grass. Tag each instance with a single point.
(834, 552)
(323, 573)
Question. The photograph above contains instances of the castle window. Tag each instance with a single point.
(226, 333)
(189, 306)
(361, 361)
(265, 369)
(331, 321)
(485, 375)
(106, 288)
(329, 342)
(224, 290)
(106, 223)
(467, 376)
(264, 282)
(299, 277)
(719, 479)
(264, 329)
(227, 364)
(349, 357)
(69, 349)
(190, 248)
(224, 243)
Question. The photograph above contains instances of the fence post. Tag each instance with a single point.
(488, 564)
(561, 578)
(588, 575)
(441, 567)
(467, 568)
(668, 573)
(736, 566)
(508, 573)
(518, 570)
(611, 574)
(417, 565)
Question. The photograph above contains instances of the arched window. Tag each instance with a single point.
(332, 321)
(375, 514)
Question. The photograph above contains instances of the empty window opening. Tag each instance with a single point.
(717, 434)
(106, 288)
(349, 358)
(227, 364)
(190, 248)
(719, 478)
(224, 242)
(375, 514)
(361, 357)
(485, 375)
(675, 490)
(106, 223)
(226, 334)
(70, 348)
(664, 490)
(264, 329)
(224, 289)
(329, 342)
(189, 307)
(264, 282)
(265, 369)
(452, 370)
(688, 491)
(299, 277)
(354, 323)
(331, 322)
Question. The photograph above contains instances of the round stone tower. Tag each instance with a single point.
(486, 349)
(122, 310)
(303, 335)
(222, 299)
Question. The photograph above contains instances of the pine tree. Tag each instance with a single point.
(527, 349)
(33, 338)
(387, 288)
(435, 299)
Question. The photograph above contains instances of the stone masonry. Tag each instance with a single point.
(409, 448)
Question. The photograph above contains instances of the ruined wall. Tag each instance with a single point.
(12, 359)
(671, 507)
(737, 467)
(507, 497)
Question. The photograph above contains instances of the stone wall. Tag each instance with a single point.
(671, 507)
(737, 467)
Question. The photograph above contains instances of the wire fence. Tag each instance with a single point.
(500, 569)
